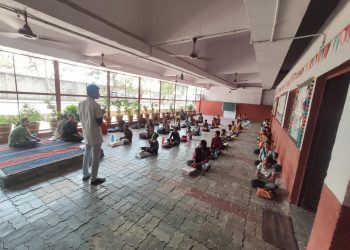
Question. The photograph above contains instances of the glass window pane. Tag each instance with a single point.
(191, 93)
(34, 74)
(132, 87)
(73, 79)
(145, 105)
(7, 79)
(168, 90)
(181, 92)
(180, 105)
(166, 106)
(98, 77)
(8, 103)
(145, 91)
(36, 103)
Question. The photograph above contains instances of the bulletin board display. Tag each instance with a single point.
(300, 112)
(281, 104)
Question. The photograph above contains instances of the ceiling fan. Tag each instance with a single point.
(193, 54)
(236, 81)
(102, 64)
(27, 32)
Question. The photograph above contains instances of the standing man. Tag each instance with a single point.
(91, 119)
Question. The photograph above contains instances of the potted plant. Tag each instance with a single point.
(136, 107)
(33, 116)
(71, 109)
(118, 105)
(190, 109)
(128, 110)
(6, 126)
(145, 109)
(106, 110)
(54, 115)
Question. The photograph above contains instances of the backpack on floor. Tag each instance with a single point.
(264, 193)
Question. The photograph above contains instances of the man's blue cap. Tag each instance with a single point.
(92, 89)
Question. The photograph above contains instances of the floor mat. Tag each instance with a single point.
(16, 160)
(278, 230)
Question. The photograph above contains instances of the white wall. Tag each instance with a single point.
(248, 95)
(338, 174)
(268, 97)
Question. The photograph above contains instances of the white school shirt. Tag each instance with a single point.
(267, 172)
(89, 110)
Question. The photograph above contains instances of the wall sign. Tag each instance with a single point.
(300, 112)
(281, 107)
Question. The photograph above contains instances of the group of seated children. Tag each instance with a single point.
(200, 118)
(215, 122)
(267, 167)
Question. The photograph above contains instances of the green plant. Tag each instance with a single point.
(171, 107)
(71, 109)
(30, 112)
(127, 106)
(8, 119)
(118, 105)
(190, 107)
(145, 109)
(152, 108)
(136, 107)
(53, 111)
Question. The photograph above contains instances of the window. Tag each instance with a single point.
(124, 86)
(7, 77)
(99, 78)
(191, 93)
(167, 91)
(149, 88)
(32, 71)
(181, 91)
(180, 105)
(73, 79)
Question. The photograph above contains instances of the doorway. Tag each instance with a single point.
(330, 112)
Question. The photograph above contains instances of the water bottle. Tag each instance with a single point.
(111, 138)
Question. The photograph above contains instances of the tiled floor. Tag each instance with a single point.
(144, 204)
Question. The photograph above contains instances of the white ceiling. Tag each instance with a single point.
(129, 33)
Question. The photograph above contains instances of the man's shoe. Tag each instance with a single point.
(98, 181)
(86, 178)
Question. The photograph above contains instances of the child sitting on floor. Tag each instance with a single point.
(165, 129)
(218, 120)
(173, 140)
(266, 151)
(127, 138)
(177, 124)
(149, 132)
(214, 123)
(70, 130)
(189, 133)
(152, 149)
(200, 118)
(265, 175)
(196, 130)
(201, 157)
(205, 126)
(216, 145)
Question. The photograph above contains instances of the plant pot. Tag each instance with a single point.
(5, 130)
(33, 127)
(53, 125)
(119, 117)
(130, 118)
(108, 119)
